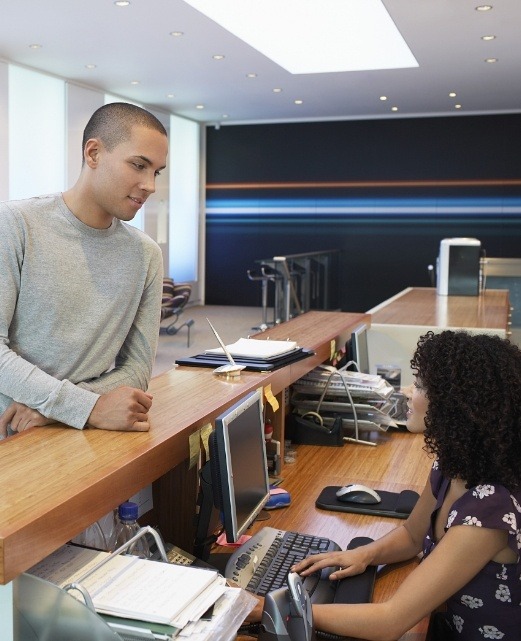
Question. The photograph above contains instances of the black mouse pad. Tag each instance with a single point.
(394, 504)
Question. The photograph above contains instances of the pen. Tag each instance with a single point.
(232, 369)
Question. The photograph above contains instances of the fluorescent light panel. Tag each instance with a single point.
(314, 36)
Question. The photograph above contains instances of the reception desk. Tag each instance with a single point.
(397, 323)
(56, 481)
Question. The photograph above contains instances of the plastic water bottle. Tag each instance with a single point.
(127, 527)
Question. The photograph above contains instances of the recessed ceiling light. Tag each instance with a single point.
(298, 102)
(35, 46)
(218, 56)
(491, 60)
(177, 34)
(225, 115)
(277, 90)
(484, 7)
(134, 82)
(199, 106)
(122, 3)
(452, 94)
(457, 106)
(251, 75)
(488, 37)
(383, 97)
(394, 108)
(90, 66)
(170, 95)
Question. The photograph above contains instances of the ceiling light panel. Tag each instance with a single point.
(301, 37)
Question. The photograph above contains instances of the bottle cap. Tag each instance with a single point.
(128, 511)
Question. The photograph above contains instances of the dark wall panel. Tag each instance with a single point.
(384, 193)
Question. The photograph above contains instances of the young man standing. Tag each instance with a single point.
(80, 292)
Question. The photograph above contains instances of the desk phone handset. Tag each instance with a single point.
(287, 614)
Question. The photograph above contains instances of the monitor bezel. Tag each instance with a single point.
(355, 350)
(226, 489)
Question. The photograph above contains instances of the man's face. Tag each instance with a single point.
(126, 176)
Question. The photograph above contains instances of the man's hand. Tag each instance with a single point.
(124, 408)
(20, 418)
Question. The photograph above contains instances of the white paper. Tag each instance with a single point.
(128, 586)
(253, 348)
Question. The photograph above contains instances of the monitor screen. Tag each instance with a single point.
(239, 465)
(359, 350)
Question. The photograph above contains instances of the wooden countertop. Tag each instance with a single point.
(423, 306)
(56, 481)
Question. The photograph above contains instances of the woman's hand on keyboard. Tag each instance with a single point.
(347, 563)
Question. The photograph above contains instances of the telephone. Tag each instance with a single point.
(287, 614)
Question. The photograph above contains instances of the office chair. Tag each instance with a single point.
(173, 301)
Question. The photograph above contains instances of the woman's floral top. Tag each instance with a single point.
(489, 606)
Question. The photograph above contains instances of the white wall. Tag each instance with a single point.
(4, 124)
(36, 133)
(185, 199)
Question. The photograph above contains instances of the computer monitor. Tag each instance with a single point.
(239, 465)
(358, 348)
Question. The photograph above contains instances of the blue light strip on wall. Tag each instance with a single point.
(302, 209)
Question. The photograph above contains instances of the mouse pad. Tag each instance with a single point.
(395, 504)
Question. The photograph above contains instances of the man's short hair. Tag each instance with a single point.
(113, 123)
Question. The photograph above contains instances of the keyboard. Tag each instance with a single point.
(263, 562)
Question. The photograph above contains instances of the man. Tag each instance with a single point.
(80, 292)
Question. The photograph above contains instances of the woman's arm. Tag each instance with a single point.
(457, 558)
(401, 544)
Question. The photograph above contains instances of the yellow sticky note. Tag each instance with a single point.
(195, 448)
(206, 430)
(268, 395)
(332, 349)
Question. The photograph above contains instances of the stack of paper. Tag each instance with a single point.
(366, 386)
(134, 588)
(256, 348)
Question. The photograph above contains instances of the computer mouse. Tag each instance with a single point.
(355, 493)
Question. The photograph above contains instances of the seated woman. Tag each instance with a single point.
(466, 399)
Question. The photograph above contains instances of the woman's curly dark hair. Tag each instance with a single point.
(473, 421)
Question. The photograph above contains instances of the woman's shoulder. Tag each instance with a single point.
(488, 505)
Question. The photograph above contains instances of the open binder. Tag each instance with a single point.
(133, 588)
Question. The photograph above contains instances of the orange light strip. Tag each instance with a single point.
(493, 182)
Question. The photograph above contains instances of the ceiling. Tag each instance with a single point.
(176, 73)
